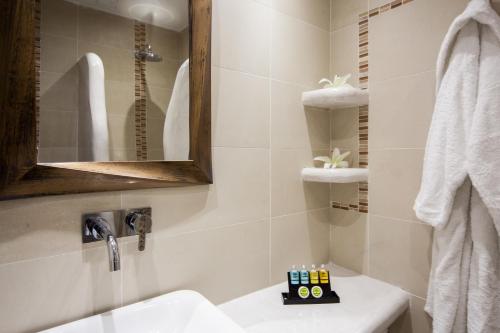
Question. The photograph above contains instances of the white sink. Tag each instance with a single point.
(177, 312)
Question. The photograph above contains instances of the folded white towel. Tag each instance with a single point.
(335, 98)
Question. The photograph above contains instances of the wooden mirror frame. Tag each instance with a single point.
(20, 174)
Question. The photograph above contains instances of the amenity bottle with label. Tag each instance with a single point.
(323, 275)
(304, 275)
(294, 276)
(314, 275)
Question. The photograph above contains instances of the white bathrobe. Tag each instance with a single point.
(460, 191)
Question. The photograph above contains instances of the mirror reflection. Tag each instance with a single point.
(113, 81)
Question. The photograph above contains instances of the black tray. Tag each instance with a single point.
(331, 297)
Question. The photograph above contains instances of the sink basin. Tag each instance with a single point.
(177, 312)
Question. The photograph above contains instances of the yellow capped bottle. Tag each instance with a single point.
(324, 275)
(314, 275)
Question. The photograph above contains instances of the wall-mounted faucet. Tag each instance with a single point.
(110, 225)
(99, 229)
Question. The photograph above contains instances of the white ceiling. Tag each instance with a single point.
(168, 14)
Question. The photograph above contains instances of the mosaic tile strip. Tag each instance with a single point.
(140, 94)
(363, 67)
(363, 111)
(36, 51)
(344, 206)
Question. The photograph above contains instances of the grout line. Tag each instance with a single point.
(270, 170)
(301, 212)
(123, 242)
(395, 148)
(404, 76)
(297, 19)
(269, 77)
(394, 219)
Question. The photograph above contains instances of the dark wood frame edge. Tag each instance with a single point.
(20, 174)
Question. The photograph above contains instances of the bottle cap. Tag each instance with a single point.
(313, 266)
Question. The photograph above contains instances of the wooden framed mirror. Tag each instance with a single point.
(26, 172)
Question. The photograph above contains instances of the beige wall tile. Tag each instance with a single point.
(417, 44)
(184, 45)
(345, 53)
(59, 18)
(265, 2)
(289, 194)
(400, 253)
(292, 125)
(344, 126)
(46, 292)
(34, 228)
(124, 154)
(315, 12)
(298, 239)
(155, 133)
(345, 193)
(121, 131)
(155, 155)
(240, 194)
(346, 12)
(240, 109)
(239, 43)
(219, 263)
(59, 53)
(105, 29)
(59, 91)
(378, 3)
(162, 74)
(349, 241)
(405, 107)
(157, 99)
(414, 320)
(120, 97)
(58, 129)
(394, 181)
(299, 52)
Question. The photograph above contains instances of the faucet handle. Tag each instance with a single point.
(140, 223)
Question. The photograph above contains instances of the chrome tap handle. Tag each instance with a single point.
(98, 228)
(139, 222)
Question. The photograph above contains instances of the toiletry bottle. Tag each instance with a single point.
(314, 275)
(324, 276)
(294, 276)
(304, 275)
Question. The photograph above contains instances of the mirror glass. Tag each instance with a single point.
(113, 80)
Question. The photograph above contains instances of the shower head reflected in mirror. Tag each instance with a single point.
(148, 54)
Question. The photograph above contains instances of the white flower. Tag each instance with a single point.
(338, 81)
(337, 160)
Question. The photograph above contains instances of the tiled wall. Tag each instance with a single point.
(390, 243)
(224, 240)
(135, 122)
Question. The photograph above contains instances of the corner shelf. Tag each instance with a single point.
(346, 175)
(335, 98)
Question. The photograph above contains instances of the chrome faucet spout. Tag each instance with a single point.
(100, 229)
(114, 254)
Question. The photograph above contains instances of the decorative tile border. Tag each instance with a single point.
(141, 146)
(36, 51)
(363, 111)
